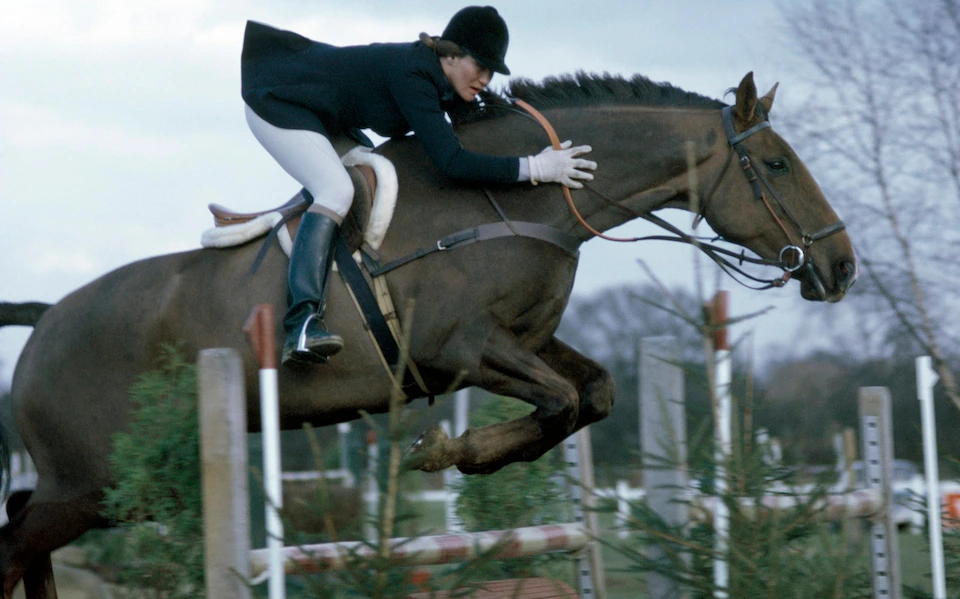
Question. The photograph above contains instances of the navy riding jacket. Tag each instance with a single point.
(295, 83)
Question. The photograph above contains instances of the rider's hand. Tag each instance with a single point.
(561, 165)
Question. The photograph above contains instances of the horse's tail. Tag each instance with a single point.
(26, 314)
(6, 474)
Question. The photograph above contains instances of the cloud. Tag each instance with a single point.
(39, 128)
(111, 24)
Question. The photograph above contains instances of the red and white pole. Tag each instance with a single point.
(260, 330)
(722, 377)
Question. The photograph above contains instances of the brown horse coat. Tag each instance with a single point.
(488, 310)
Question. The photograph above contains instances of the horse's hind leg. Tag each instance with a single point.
(35, 530)
(583, 394)
(38, 576)
(38, 582)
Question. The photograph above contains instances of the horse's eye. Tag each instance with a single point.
(777, 165)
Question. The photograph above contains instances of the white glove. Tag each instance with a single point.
(561, 166)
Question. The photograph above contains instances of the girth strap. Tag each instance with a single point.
(377, 324)
(564, 241)
(361, 291)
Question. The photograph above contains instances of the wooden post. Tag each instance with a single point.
(853, 529)
(876, 436)
(226, 503)
(663, 437)
(850, 456)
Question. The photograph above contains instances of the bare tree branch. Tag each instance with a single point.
(885, 122)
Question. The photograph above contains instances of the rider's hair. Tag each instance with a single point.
(442, 47)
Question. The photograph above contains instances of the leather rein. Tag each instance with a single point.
(792, 256)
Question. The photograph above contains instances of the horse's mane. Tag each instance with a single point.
(585, 89)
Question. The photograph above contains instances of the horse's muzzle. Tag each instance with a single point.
(816, 287)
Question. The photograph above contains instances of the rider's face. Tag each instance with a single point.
(466, 75)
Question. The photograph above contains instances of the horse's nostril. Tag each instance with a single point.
(845, 272)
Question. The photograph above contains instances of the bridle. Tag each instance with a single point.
(791, 258)
(756, 177)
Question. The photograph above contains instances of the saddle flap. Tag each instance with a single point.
(355, 223)
(223, 216)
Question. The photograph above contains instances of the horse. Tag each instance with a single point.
(484, 313)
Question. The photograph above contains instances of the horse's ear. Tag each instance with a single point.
(746, 99)
(767, 100)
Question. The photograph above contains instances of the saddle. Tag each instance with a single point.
(375, 194)
(354, 224)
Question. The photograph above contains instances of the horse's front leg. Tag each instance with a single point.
(508, 368)
(594, 383)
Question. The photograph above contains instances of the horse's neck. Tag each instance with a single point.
(641, 158)
(642, 155)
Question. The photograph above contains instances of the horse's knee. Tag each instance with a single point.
(598, 398)
(562, 414)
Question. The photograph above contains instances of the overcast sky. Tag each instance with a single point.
(120, 120)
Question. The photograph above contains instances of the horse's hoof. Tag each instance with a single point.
(430, 452)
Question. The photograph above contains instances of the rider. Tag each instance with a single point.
(301, 94)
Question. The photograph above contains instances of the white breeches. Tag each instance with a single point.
(308, 157)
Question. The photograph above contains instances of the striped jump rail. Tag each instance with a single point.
(430, 550)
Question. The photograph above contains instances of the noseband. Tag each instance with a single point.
(792, 256)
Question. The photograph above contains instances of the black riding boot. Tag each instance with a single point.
(310, 262)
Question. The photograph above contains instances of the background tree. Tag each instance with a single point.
(608, 327)
(804, 401)
(881, 125)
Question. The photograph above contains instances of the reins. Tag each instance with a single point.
(555, 142)
(716, 253)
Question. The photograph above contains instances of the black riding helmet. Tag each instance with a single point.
(481, 32)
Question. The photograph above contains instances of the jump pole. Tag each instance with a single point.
(433, 550)
(723, 436)
(926, 379)
(260, 329)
